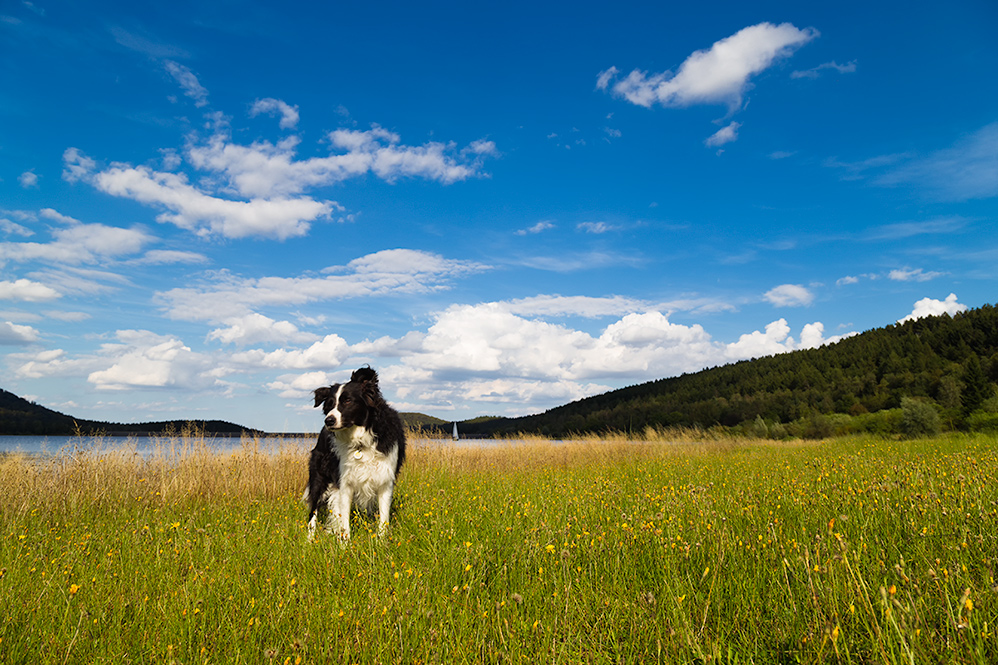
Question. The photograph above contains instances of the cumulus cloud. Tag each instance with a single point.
(191, 209)
(776, 339)
(14, 334)
(271, 107)
(300, 386)
(142, 359)
(504, 352)
(328, 353)
(256, 328)
(28, 179)
(789, 295)
(77, 243)
(718, 75)
(259, 189)
(27, 291)
(931, 307)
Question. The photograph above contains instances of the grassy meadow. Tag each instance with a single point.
(852, 550)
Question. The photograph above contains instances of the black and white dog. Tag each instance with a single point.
(357, 456)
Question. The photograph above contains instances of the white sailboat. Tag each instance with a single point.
(456, 437)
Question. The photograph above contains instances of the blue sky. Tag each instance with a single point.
(209, 209)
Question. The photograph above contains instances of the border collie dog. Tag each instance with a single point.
(357, 457)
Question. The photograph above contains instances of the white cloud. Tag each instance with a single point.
(909, 275)
(815, 72)
(299, 387)
(77, 243)
(389, 272)
(328, 353)
(188, 82)
(257, 328)
(584, 306)
(789, 295)
(271, 106)
(719, 75)
(204, 214)
(157, 257)
(595, 227)
(723, 135)
(379, 151)
(76, 165)
(12, 333)
(603, 80)
(848, 279)
(930, 307)
(142, 359)
(27, 291)
(777, 339)
(13, 228)
(543, 225)
(28, 179)
(258, 190)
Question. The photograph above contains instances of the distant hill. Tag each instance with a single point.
(948, 362)
(421, 420)
(19, 416)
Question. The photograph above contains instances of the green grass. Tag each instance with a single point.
(849, 550)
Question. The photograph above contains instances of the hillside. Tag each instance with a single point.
(20, 416)
(948, 362)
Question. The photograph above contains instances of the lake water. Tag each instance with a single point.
(66, 445)
(55, 445)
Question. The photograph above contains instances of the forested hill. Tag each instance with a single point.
(19, 416)
(950, 363)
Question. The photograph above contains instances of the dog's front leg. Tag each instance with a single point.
(339, 510)
(384, 507)
(311, 526)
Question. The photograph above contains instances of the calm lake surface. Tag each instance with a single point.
(143, 445)
(67, 445)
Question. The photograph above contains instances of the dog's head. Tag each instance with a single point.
(350, 404)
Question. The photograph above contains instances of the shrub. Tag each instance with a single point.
(919, 418)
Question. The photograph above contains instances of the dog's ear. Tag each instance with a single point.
(368, 380)
(365, 374)
(321, 395)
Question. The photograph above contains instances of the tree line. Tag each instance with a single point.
(869, 382)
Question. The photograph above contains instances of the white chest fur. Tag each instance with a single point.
(367, 476)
